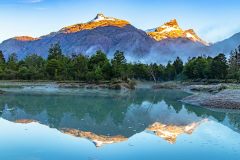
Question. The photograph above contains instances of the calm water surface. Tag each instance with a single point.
(76, 124)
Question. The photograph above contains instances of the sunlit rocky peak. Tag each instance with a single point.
(190, 34)
(172, 23)
(25, 38)
(99, 21)
(172, 30)
(101, 17)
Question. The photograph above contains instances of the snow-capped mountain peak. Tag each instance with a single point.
(172, 23)
(172, 30)
(101, 16)
(190, 34)
(99, 21)
(169, 27)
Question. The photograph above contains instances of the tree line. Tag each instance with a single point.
(98, 67)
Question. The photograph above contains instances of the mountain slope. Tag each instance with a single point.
(169, 49)
(102, 33)
(227, 45)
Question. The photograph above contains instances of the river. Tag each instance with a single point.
(46, 122)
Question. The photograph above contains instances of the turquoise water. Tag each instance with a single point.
(50, 123)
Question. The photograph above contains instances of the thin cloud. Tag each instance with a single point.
(31, 1)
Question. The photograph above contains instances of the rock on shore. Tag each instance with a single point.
(226, 99)
(207, 88)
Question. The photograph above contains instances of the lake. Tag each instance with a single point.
(45, 122)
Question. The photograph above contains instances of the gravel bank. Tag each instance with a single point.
(226, 99)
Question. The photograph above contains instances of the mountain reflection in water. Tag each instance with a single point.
(110, 117)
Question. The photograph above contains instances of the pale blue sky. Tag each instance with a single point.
(213, 20)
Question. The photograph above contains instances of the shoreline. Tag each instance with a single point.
(112, 85)
(213, 96)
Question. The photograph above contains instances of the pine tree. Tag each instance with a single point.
(233, 61)
(55, 52)
(219, 67)
(12, 61)
(119, 65)
(178, 64)
(2, 59)
(238, 57)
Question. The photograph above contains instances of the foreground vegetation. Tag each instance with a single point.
(98, 67)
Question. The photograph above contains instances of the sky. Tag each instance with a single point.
(213, 20)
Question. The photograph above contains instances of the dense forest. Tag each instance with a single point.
(98, 67)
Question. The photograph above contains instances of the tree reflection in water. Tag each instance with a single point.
(110, 114)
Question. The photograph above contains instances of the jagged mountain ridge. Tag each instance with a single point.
(110, 34)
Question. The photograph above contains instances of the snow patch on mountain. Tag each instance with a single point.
(101, 17)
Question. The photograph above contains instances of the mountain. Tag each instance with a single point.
(225, 46)
(102, 33)
(110, 34)
(171, 30)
